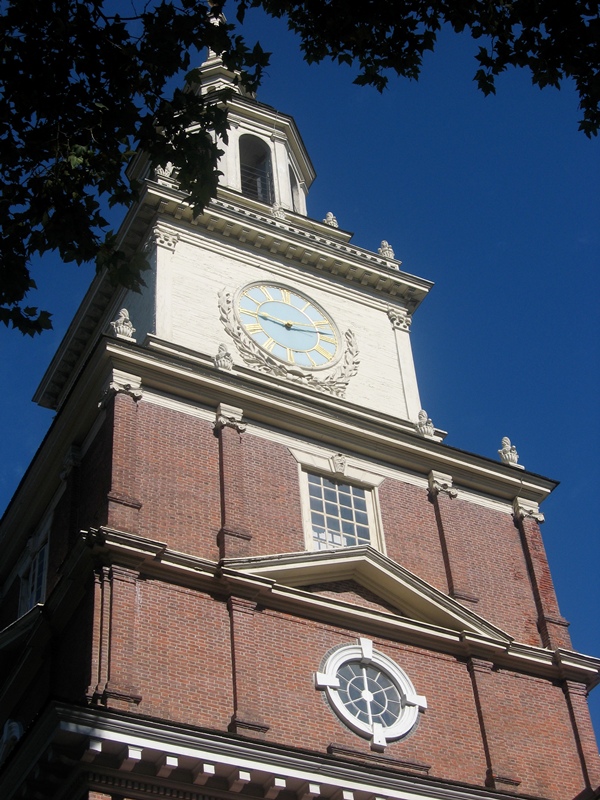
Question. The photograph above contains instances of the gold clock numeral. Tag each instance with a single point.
(266, 293)
(290, 355)
(328, 339)
(320, 322)
(249, 297)
(286, 296)
(269, 344)
(254, 327)
(321, 351)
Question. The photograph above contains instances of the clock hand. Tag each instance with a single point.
(302, 325)
(286, 324)
(309, 325)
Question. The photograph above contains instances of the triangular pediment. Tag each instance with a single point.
(386, 582)
(352, 592)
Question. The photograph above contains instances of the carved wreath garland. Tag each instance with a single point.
(334, 382)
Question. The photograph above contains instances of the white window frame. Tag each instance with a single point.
(364, 653)
(347, 470)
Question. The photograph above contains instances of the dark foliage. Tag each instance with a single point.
(82, 88)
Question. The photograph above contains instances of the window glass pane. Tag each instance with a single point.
(337, 508)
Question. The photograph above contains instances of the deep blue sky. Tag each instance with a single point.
(495, 200)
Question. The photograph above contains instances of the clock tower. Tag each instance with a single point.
(243, 562)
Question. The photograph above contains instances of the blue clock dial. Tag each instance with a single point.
(288, 325)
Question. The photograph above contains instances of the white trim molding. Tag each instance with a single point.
(339, 467)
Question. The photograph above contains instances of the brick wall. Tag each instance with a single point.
(193, 666)
(150, 647)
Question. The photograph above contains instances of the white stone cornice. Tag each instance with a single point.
(302, 240)
(180, 378)
(165, 367)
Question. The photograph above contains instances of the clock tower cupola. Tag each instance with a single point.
(265, 159)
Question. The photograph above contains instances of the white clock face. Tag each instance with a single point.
(288, 325)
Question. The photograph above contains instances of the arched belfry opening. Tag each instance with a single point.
(256, 169)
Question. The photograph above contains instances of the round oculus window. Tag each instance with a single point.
(370, 693)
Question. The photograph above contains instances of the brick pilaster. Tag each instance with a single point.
(234, 536)
(113, 660)
(576, 697)
(247, 668)
(451, 532)
(123, 497)
(552, 626)
(500, 755)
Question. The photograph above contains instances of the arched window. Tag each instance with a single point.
(256, 169)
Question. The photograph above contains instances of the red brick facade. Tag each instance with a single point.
(205, 654)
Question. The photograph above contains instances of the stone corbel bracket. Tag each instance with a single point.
(527, 509)
(121, 383)
(440, 483)
(401, 320)
(229, 417)
(163, 237)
